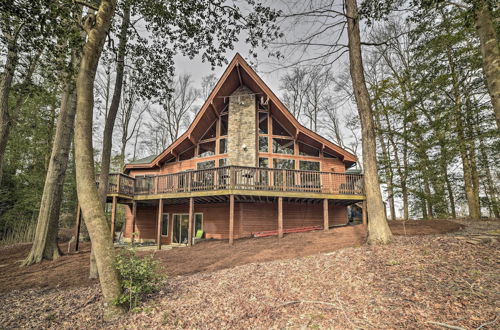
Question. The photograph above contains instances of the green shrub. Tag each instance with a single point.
(138, 276)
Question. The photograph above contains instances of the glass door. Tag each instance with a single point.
(180, 230)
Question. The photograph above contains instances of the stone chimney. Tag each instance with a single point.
(242, 128)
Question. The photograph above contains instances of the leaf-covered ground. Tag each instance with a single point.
(415, 282)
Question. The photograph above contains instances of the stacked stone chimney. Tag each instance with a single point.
(242, 128)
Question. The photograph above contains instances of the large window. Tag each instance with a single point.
(198, 223)
(223, 146)
(264, 162)
(282, 178)
(278, 129)
(286, 164)
(223, 124)
(205, 165)
(211, 132)
(263, 123)
(206, 149)
(282, 146)
(263, 145)
(307, 150)
(306, 165)
(164, 224)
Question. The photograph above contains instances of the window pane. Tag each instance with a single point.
(263, 145)
(207, 149)
(283, 146)
(280, 178)
(164, 224)
(327, 155)
(187, 154)
(223, 162)
(198, 222)
(223, 125)
(287, 164)
(307, 150)
(264, 162)
(211, 132)
(278, 129)
(222, 146)
(308, 166)
(263, 123)
(205, 165)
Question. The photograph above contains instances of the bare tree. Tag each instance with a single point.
(321, 41)
(207, 84)
(173, 115)
(130, 118)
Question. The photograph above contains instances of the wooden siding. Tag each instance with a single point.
(248, 218)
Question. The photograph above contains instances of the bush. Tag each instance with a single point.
(138, 277)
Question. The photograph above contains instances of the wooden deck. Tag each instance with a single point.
(237, 180)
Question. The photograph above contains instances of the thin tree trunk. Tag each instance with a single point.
(490, 54)
(428, 198)
(107, 141)
(378, 229)
(388, 167)
(5, 88)
(466, 147)
(489, 182)
(45, 242)
(97, 27)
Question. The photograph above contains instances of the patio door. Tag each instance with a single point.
(180, 228)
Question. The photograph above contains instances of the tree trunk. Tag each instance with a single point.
(5, 87)
(378, 229)
(107, 140)
(490, 183)
(389, 173)
(490, 54)
(465, 146)
(97, 27)
(45, 242)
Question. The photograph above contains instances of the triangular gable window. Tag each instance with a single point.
(211, 133)
(278, 129)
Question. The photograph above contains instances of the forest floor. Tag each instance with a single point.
(439, 272)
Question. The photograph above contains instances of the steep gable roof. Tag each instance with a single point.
(240, 73)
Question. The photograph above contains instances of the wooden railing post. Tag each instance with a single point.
(118, 179)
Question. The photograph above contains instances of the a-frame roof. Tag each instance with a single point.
(240, 73)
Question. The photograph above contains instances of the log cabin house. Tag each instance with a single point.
(243, 167)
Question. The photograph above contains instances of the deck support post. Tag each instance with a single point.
(113, 219)
(159, 224)
(134, 214)
(326, 223)
(280, 217)
(191, 217)
(363, 213)
(231, 219)
(78, 226)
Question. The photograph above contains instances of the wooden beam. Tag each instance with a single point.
(78, 225)
(159, 223)
(134, 213)
(231, 219)
(326, 222)
(280, 217)
(113, 219)
(191, 217)
(364, 214)
(239, 74)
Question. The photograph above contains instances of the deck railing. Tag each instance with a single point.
(239, 178)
